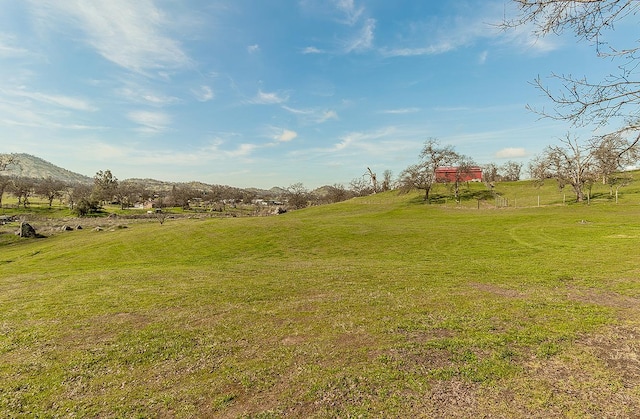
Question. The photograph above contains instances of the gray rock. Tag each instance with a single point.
(26, 230)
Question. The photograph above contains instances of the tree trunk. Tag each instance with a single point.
(579, 193)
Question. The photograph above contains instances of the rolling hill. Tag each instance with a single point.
(34, 167)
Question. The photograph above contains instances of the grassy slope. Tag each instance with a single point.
(379, 306)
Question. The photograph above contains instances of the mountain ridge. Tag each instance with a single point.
(34, 167)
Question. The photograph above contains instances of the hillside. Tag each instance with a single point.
(34, 167)
(380, 306)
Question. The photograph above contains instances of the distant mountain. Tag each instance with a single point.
(34, 167)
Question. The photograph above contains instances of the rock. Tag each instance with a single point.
(26, 230)
(98, 229)
(66, 228)
(78, 227)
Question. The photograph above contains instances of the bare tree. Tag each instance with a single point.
(464, 166)
(423, 174)
(360, 187)
(374, 179)
(50, 189)
(5, 181)
(297, 196)
(22, 188)
(387, 180)
(571, 163)
(511, 171)
(490, 173)
(336, 193)
(577, 99)
(617, 181)
(609, 155)
(5, 184)
(127, 194)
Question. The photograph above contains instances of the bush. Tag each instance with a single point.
(86, 206)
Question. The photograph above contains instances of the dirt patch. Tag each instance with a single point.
(619, 348)
(451, 399)
(604, 298)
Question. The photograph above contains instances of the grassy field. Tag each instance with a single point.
(375, 307)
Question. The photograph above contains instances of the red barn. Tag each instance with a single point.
(449, 174)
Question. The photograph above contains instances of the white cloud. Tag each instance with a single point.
(286, 136)
(150, 122)
(129, 34)
(327, 115)
(483, 57)
(315, 116)
(267, 98)
(204, 94)
(136, 94)
(251, 49)
(462, 30)
(312, 50)
(8, 47)
(242, 150)
(511, 153)
(364, 39)
(68, 102)
(351, 12)
(401, 111)
(297, 111)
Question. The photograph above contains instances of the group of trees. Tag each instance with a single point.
(610, 104)
(581, 164)
(422, 175)
(86, 198)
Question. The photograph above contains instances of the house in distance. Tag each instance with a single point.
(450, 174)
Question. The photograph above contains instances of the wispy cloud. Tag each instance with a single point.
(463, 30)
(373, 143)
(18, 113)
(350, 11)
(268, 98)
(150, 122)
(129, 34)
(363, 40)
(482, 58)
(252, 49)
(312, 50)
(400, 111)
(68, 102)
(130, 154)
(315, 116)
(203, 94)
(327, 115)
(137, 94)
(9, 47)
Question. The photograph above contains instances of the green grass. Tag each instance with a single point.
(377, 307)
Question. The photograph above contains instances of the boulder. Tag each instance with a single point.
(26, 230)
(66, 228)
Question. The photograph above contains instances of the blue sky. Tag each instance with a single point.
(270, 93)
